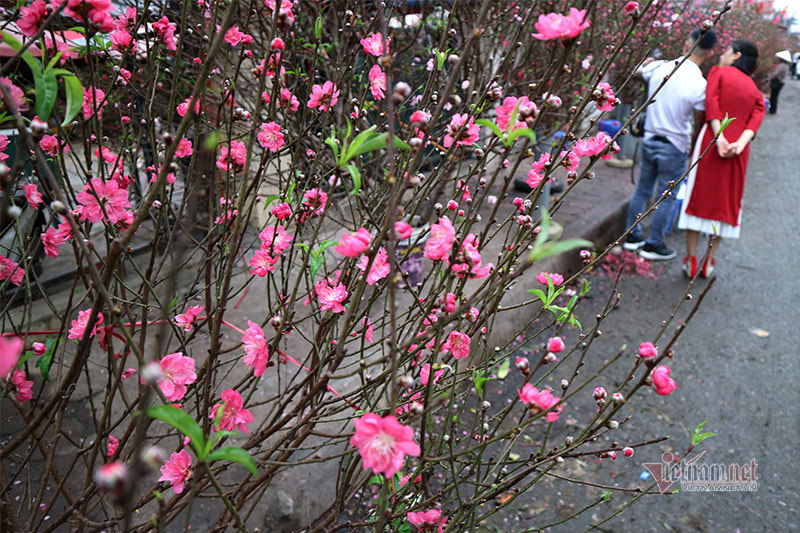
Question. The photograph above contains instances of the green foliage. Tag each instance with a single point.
(46, 360)
(698, 437)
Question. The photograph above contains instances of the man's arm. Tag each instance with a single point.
(699, 120)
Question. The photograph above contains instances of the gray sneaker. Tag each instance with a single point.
(657, 253)
(632, 243)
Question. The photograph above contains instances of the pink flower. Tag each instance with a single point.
(570, 160)
(79, 325)
(113, 444)
(462, 130)
(234, 416)
(661, 380)
(536, 174)
(183, 107)
(262, 263)
(469, 261)
(377, 82)
(402, 230)
(10, 348)
(558, 26)
(282, 211)
(354, 244)
(323, 96)
(425, 374)
(53, 238)
(647, 350)
(331, 297)
(285, 9)
(232, 158)
(450, 302)
(184, 148)
(420, 117)
(374, 45)
(428, 520)
(166, 30)
(127, 373)
(457, 344)
(441, 240)
(368, 329)
(23, 388)
(121, 39)
(33, 195)
(555, 345)
(234, 36)
(505, 110)
(98, 195)
(274, 239)
(186, 320)
(32, 18)
(380, 266)
(255, 349)
(383, 443)
(270, 137)
(11, 270)
(631, 8)
(540, 401)
(555, 279)
(605, 101)
(50, 145)
(315, 200)
(289, 100)
(93, 98)
(592, 145)
(3, 145)
(177, 470)
(177, 371)
(112, 477)
(17, 96)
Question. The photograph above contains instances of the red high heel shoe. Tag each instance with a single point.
(690, 266)
(708, 268)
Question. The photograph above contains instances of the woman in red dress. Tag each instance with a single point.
(715, 187)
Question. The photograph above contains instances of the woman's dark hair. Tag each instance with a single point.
(749, 58)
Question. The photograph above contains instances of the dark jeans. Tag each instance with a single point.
(661, 163)
(775, 87)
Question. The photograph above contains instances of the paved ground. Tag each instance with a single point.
(743, 382)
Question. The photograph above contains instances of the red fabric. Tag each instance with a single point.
(719, 184)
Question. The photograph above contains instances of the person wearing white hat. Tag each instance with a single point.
(776, 78)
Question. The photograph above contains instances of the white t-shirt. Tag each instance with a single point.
(671, 113)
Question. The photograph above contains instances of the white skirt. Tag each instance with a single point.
(703, 225)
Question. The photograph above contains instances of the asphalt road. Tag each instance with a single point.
(743, 382)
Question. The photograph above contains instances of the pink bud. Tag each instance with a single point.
(39, 348)
(402, 230)
(523, 365)
(112, 477)
(452, 205)
(632, 8)
(628, 451)
(617, 397)
(599, 393)
(647, 350)
(613, 455)
(555, 345)
(277, 44)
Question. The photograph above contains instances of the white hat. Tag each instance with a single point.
(784, 55)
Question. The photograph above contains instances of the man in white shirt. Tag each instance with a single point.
(667, 139)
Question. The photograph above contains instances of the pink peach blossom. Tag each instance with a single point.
(17, 96)
(462, 131)
(93, 98)
(255, 348)
(383, 443)
(663, 384)
(441, 240)
(234, 36)
(647, 350)
(555, 279)
(79, 325)
(331, 297)
(23, 388)
(377, 82)
(184, 148)
(177, 470)
(33, 16)
(183, 107)
(113, 444)
(380, 266)
(557, 26)
(536, 174)
(262, 263)
(10, 348)
(186, 320)
(425, 374)
(53, 238)
(323, 96)
(274, 239)
(282, 211)
(316, 200)
(354, 244)
(428, 520)
(605, 102)
(166, 30)
(457, 344)
(270, 137)
(592, 145)
(555, 345)
(33, 195)
(177, 371)
(373, 44)
(234, 416)
(402, 230)
(505, 110)
(540, 401)
(10, 270)
(101, 199)
(233, 158)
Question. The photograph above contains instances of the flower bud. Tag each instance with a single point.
(112, 478)
(613, 424)
(599, 393)
(564, 383)
(275, 322)
(523, 365)
(152, 372)
(39, 348)
(406, 382)
(486, 405)
(38, 129)
(569, 440)
(549, 358)
(617, 397)
(277, 44)
(402, 90)
(58, 207)
(416, 408)
(628, 451)
(612, 455)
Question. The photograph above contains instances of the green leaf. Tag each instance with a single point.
(46, 360)
(183, 423)
(331, 141)
(607, 495)
(375, 142)
(358, 141)
(725, 123)
(211, 142)
(356, 175)
(375, 480)
(540, 294)
(405, 527)
(556, 248)
(324, 245)
(544, 230)
(27, 355)
(479, 379)
(236, 455)
(74, 90)
(53, 61)
(698, 437)
(502, 370)
(491, 125)
(521, 132)
(269, 199)
(318, 27)
(316, 262)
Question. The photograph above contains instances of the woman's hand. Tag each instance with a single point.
(724, 148)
